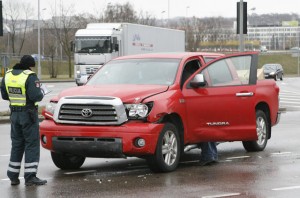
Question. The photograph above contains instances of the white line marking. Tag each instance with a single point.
(239, 157)
(4, 155)
(287, 188)
(282, 153)
(79, 172)
(222, 195)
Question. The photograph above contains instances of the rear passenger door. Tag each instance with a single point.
(223, 109)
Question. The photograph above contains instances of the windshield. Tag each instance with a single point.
(269, 67)
(93, 44)
(137, 71)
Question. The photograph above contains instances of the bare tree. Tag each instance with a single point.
(120, 13)
(63, 28)
(18, 14)
(146, 19)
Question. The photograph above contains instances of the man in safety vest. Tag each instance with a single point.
(22, 88)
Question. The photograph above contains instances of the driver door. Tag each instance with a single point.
(224, 109)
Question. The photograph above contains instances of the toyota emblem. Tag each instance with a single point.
(86, 113)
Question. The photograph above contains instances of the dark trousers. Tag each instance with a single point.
(24, 140)
(209, 151)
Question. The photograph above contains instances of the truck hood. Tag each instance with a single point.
(127, 93)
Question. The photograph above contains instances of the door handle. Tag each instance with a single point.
(246, 94)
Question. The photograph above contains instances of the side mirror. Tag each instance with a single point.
(198, 81)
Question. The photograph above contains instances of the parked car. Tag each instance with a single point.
(263, 48)
(274, 71)
(157, 106)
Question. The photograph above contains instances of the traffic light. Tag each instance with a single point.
(1, 20)
(244, 18)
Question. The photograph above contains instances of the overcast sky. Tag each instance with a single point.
(160, 8)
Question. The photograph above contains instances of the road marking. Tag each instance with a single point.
(281, 153)
(239, 157)
(222, 195)
(4, 155)
(79, 172)
(287, 188)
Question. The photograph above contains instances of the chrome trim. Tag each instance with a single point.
(190, 147)
(92, 100)
(244, 94)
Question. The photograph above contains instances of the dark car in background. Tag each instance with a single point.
(274, 71)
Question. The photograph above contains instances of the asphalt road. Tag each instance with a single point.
(272, 173)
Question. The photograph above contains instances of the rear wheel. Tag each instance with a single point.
(281, 78)
(67, 161)
(262, 130)
(167, 154)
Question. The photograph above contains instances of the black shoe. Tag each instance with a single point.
(207, 163)
(35, 181)
(14, 182)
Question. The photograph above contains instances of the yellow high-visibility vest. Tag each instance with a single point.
(15, 87)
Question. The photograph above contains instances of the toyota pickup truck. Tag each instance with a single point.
(156, 106)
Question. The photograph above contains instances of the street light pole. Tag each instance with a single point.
(186, 12)
(39, 42)
(168, 11)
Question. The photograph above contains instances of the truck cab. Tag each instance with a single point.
(94, 47)
(99, 43)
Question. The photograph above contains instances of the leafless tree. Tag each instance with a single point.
(120, 13)
(63, 27)
(18, 14)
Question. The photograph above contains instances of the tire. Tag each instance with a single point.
(262, 130)
(281, 78)
(168, 149)
(275, 77)
(67, 161)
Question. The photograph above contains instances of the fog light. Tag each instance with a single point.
(44, 139)
(140, 142)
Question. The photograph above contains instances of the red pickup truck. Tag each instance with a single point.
(154, 106)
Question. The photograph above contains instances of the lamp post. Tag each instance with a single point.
(186, 11)
(168, 11)
(39, 43)
(162, 18)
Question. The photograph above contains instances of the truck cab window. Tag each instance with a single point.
(190, 68)
(93, 45)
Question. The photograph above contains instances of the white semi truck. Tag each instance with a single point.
(101, 42)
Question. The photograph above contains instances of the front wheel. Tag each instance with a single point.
(167, 154)
(262, 130)
(67, 161)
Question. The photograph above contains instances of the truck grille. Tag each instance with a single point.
(91, 70)
(90, 110)
(97, 113)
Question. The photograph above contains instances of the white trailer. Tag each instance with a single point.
(101, 42)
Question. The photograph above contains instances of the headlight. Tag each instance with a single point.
(138, 110)
(272, 73)
(50, 107)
